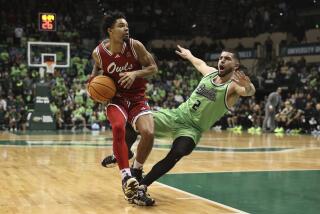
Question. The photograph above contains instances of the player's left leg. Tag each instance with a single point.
(145, 126)
(141, 119)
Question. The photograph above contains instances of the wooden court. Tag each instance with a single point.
(61, 173)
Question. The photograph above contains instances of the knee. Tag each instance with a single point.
(183, 146)
(118, 128)
(183, 152)
(147, 133)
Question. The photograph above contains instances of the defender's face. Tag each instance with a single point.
(120, 30)
(227, 63)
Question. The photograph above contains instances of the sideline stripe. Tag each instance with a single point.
(244, 170)
(101, 143)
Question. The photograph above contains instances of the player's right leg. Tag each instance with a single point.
(120, 150)
(131, 137)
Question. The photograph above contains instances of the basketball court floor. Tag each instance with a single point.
(60, 172)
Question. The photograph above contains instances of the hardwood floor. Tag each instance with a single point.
(61, 172)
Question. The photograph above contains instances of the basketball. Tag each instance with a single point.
(101, 88)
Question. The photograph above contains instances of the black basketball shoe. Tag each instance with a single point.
(110, 160)
(142, 198)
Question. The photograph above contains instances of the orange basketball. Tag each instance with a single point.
(101, 88)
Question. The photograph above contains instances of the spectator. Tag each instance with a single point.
(271, 107)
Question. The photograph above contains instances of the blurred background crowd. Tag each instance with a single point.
(156, 24)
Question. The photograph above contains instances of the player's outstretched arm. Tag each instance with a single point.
(199, 64)
(243, 86)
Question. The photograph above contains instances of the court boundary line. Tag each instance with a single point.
(110, 146)
(155, 148)
(202, 198)
(215, 172)
(104, 145)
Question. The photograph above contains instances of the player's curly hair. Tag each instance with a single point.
(110, 19)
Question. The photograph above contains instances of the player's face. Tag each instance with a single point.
(120, 30)
(226, 64)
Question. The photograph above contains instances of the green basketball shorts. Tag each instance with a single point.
(171, 123)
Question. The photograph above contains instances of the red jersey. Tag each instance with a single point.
(125, 61)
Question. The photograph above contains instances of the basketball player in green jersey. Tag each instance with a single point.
(217, 91)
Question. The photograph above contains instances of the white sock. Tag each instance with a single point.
(137, 165)
(125, 172)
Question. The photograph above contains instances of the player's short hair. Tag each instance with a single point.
(110, 19)
(234, 52)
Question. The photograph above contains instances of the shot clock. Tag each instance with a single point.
(47, 21)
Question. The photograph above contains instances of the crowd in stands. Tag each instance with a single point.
(300, 108)
(69, 103)
(183, 19)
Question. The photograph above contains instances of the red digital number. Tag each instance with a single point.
(47, 25)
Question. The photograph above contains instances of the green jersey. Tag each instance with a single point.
(207, 103)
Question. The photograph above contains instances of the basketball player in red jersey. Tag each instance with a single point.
(127, 62)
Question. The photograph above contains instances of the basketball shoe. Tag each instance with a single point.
(130, 186)
(110, 160)
(142, 198)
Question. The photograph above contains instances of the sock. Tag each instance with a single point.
(125, 172)
(137, 165)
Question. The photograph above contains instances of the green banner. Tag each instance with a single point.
(42, 118)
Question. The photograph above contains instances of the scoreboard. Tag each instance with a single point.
(47, 21)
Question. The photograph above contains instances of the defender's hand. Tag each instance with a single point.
(127, 79)
(183, 52)
(241, 79)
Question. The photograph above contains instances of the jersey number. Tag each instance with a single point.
(196, 105)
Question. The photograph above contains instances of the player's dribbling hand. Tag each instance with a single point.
(127, 79)
(183, 52)
(87, 85)
(241, 79)
(90, 79)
